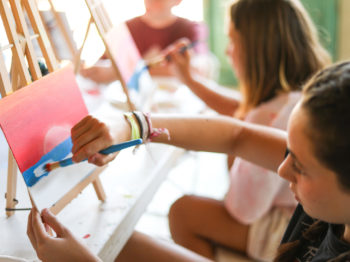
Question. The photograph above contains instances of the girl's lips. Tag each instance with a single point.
(292, 189)
(296, 198)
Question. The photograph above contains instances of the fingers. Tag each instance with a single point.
(181, 43)
(30, 231)
(181, 46)
(86, 71)
(89, 137)
(36, 231)
(52, 222)
(81, 127)
(92, 148)
(180, 58)
(101, 160)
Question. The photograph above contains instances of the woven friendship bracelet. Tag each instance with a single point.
(154, 132)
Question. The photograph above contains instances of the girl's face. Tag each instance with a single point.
(315, 186)
(234, 51)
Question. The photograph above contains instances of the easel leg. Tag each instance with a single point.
(11, 184)
(99, 189)
(15, 76)
(74, 192)
(77, 57)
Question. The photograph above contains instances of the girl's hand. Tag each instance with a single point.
(63, 247)
(99, 74)
(180, 61)
(90, 136)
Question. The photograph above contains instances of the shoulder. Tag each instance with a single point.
(299, 222)
(136, 21)
(190, 25)
(184, 21)
(274, 112)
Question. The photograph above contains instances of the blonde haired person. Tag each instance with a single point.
(153, 32)
(273, 48)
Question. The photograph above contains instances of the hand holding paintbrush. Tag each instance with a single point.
(178, 48)
(179, 60)
(112, 149)
(181, 47)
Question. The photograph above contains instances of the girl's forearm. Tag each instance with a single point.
(211, 95)
(255, 143)
(204, 133)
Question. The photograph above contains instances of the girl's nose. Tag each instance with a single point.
(285, 170)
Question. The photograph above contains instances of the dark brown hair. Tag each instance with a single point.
(326, 100)
(281, 48)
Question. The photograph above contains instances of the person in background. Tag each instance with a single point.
(312, 156)
(153, 32)
(274, 49)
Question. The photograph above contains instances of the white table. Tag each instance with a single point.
(130, 183)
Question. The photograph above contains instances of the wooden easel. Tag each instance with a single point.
(100, 18)
(66, 35)
(20, 42)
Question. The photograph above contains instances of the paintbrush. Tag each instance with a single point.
(161, 59)
(112, 149)
(135, 77)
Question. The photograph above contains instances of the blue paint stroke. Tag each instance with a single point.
(134, 82)
(56, 154)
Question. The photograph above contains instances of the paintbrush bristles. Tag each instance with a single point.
(51, 166)
(155, 62)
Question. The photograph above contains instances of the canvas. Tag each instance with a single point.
(126, 55)
(55, 34)
(36, 121)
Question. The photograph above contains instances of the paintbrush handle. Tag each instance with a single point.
(167, 57)
(183, 49)
(66, 162)
(186, 47)
(120, 146)
(106, 151)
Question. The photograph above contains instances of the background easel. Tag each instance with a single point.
(65, 33)
(100, 18)
(24, 69)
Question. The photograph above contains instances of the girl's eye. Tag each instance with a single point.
(296, 168)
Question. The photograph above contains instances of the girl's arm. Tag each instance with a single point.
(207, 91)
(261, 145)
(213, 95)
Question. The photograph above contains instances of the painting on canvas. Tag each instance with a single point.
(128, 59)
(36, 121)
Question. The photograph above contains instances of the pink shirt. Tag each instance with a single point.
(254, 190)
